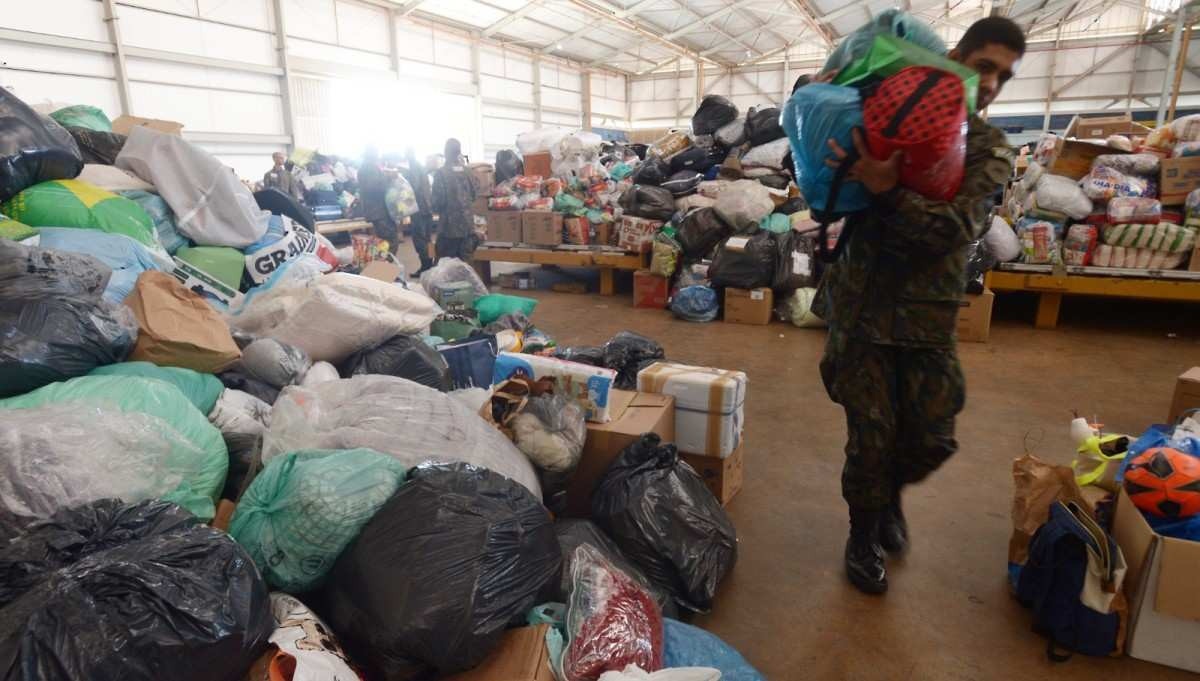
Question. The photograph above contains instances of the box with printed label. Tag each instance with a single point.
(1178, 177)
(975, 317)
(649, 290)
(636, 234)
(586, 384)
(577, 231)
(723, 476)
(541, 227)
(749, 306)
(709, 405)
(504, 225)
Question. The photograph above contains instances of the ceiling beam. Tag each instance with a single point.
(1089, 71)
(409, 7)
(633, 27)
(810, 16)
(516, 15)
(688, 28)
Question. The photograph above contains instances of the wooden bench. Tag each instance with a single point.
(1051, 285)
(328, 227)
(607, 261)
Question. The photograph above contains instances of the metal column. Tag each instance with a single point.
(586, 97)
(1050, 77)
(285, 90)
(1172, 58)
(114, 34)
(537, 91)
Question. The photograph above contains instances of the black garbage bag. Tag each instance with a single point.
(774, 181)
(508, 165)
(700, 231)
(979, 261)
(653, 171)
(238, 379)
(627, 353)
(640, 149)
(796, 259)
(129, 591)
(583, 354)
(575, 532)
(683, 183)
(698, 159)
(792, 206)
(752, 266)
(652, 203)
(713, 112)
(54, 323)
(278, 203)
(404, 356)
(33, 148)
(658, 510)
(96, 146)
(438, 573)
(762, 126)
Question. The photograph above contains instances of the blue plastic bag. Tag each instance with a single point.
(1162, 436)
(893, 21)
(127, 258)
(162, 216)
(814, 114)
(688, 646)
(471, 361)
(696, 304)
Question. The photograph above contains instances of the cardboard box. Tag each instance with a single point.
(1194, 265)
(709, 405)
(632, 415)
(604, 234)
(588, 385)
(485, 177)
(1187, 394)
(1178, 177)
(1073, 158)
(381, 270)
(1160, 583)
(649, 290)
(504, 225)
(538, 164)
(1100, 127)
(975, 317)
(521, 655)
(577, 231)
(722, 476)
(751, 306)
(479, 206)
(541, 228)
(123, 124)
(636, 234)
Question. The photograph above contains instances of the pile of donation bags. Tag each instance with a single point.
(373, 501)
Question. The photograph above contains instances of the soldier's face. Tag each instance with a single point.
(995, 65)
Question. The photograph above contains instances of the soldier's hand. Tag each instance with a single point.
(877, 176)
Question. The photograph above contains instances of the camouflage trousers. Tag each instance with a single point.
(900, 405)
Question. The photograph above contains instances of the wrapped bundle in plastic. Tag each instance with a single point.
(1104, 183)
(1131, 209)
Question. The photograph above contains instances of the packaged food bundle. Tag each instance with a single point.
(1134, 209)
(552, 187)
(1186, 128)
(1043, 153)
(1129, 164)
(539, 203)
(528, 183)
(1039, 241)
(1164, 236)
(1080, 244)
(1104, 183)
(1062, 195)
(1161, 138)
(1191, 206)
(504, 203)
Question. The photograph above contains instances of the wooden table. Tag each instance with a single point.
(1051, 285)
(607, 261)
(328, 227)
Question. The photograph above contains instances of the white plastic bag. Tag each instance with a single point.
(542, 139)
(301, 635)
(1002, 241)
(319, 372)
(1187, 128)
(333, 316)
(212, 207)
(241, 417)
(394, 416)
(1062, 195)
(686, 203)
(449, 270)
(635, 673)
(797, 308)
(113, 179)
(769, 155)
(712, 188)
(746, 202)
(733, 133)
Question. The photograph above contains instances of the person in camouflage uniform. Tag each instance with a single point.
(891, 301)
(454, 190)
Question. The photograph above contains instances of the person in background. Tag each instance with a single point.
(373, 183)
(453, 191)
(280, 177)
(891, 301)
(422, 220)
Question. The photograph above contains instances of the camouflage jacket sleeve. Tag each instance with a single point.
(939, 227)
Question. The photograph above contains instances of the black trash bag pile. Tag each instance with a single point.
(278, 203)
(627, 353)
(439, 572)
(96, 146)
(795, 263)
(54, 323)
(131, 592)
(700, 231)
(979, 261)
(650, 202)
(33, 148)
(750, 267)
(663, 517)
(583, 354)
(508, 165)
(683, 183)
(714, 111)
(404, 356)
(575, 532)
(762, 126)
(697, 159)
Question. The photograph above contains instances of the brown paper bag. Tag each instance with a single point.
(177, 328)
(1038, 485)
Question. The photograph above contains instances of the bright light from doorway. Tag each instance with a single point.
(393, 115)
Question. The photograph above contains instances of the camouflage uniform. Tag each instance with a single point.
(454, 190)
(892, 302)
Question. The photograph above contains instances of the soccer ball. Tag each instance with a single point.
(1164, 482)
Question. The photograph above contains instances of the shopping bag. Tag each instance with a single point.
(1037, 486)
(889, 55)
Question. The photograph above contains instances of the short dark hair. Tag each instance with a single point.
(989, 30)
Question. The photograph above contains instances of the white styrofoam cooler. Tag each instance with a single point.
(708, 405)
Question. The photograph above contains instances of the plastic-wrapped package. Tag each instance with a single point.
(670, 144)
(713, 113)
(76, 204)
(551, 430)
(96, 146)
(243, 419)
(112, 179)
(743, 204)
(687, 646)
(236, 379)
(979, 261)
(661, 514)
(406, 356)
(1080, 244)
(1129, 164)
(1062, 195)
(712, 188)
(539, 140)
(665, 252)
(274, 363)
(795, 260)
(575, 532)
(320, 372)
(745, 262)
(797, 308)
(762, 128)
(146, 592)
(1120, 142)
(451, 270)
(627, 353)
(125, 257)
(696, 304)
(202, 390)
(1104, 183)
(612, 621)
(1132, 209)
(685, 204)
(1103, 256)
(33, 148)
(653, 171)
(398, 417)
(1002, 240)
(682, 183)
(440, 571)
(1186, 128)
(1185, 149)
(504, 203)
(1039, 241)
(700, 231)
(652, 203)
(769, 155)
(1032, 174)
(333, 316)
(303, 647)
(306, 506)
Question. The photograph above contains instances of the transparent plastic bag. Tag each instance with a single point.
(551, 430)
(1123, 209)
(395, 416)
(1129, 164)
(665, 252)
(1104, 183)
(1002, 240)
(635, 673)
(688, 646)
(744, 203)
(450, 270)
(1062, 195)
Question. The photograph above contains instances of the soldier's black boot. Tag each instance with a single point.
(864, 555)
(893, 528)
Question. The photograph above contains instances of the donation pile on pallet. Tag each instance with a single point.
(300, 479)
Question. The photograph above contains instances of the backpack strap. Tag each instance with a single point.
(835, 189)
(910, 103)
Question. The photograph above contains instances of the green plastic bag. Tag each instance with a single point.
(197, 450)
(223, 263)
(567, 203)
(72, 203)
(777, 223)
(83, 116)
(202, 390)
(889, 55)
(11, 229)
(453, 327)
(495, 305)
(306, 506)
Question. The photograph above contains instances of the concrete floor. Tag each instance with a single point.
(949, 615)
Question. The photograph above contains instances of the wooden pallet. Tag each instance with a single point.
(605, 259)
(1051, 286)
